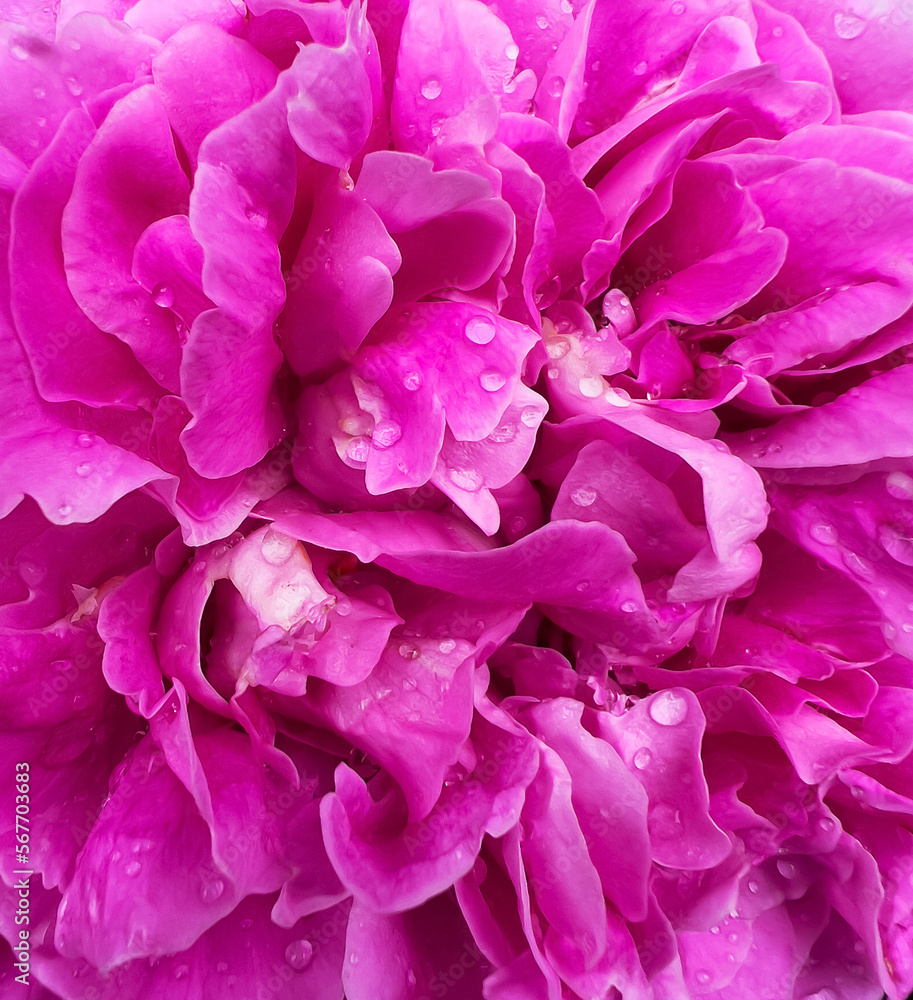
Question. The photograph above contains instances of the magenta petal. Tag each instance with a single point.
(104, 219)
(669, 726)
(86, 365)
(411, 954)
(331, 110)
(199, 91)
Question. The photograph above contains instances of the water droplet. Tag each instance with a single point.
(583, 496)
(358, 449)
(777, 32)
(823, 533)
(409, 652)
(552, 373)
(431, 89)
(85, 440)
(447, 645)
(591, 387)
(276, 547)
(503, 433)
(702, 975)
(848, 25)
(732, 937)
(84, 469)
(492, 380)
(181, 971)
(678, 8)
(386, 433)
(512, 51)
(211, 891)
(132, 869)
(257, 219)
(557, 348)
(787, 869)
(530, 416)
(640, 69)
(39, 92)
(900, 486)
(668, 708)
(163, 296)
(73, 85)
(826, 824)
(65, 510)
(715, 929)
(353, 959)
(466, 479)
(480, 330)
(542, 21)
(897, 543)
(517, 524)
(858, 792)
(753, 887)
(437, 124)
(413, 381)
(556, 86)
(629, 607)
(582, 586)
(246, 924)
(642, 758)
(299, 954)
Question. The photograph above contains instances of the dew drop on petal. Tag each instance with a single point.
(642, 758)
(257, 219)
(591, 387)
(848, 25)
(480, 329)
(447, 645)
(702, 975)
(557, 349)
(900, 486)
(777, 32)
(583, 496)
(358, 450)
(466, 479)
(181, 971)
(823, 533)
(492, 380)
(409, 652)
(73, 85)
(413, 381)
(386, 433)
(640, 69)
(277, 548)
(753, 887)
(503, 433)
(299, 954)
(787, 869)
(84, 469)
(629, 607)
(85, 440)
(530, 416)
(556, 86)
(163, 296)
(132, 869)
(542, 22)
(668, 708)
(65, 510)
(431, 89)
(211, 891)
(512, 51)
